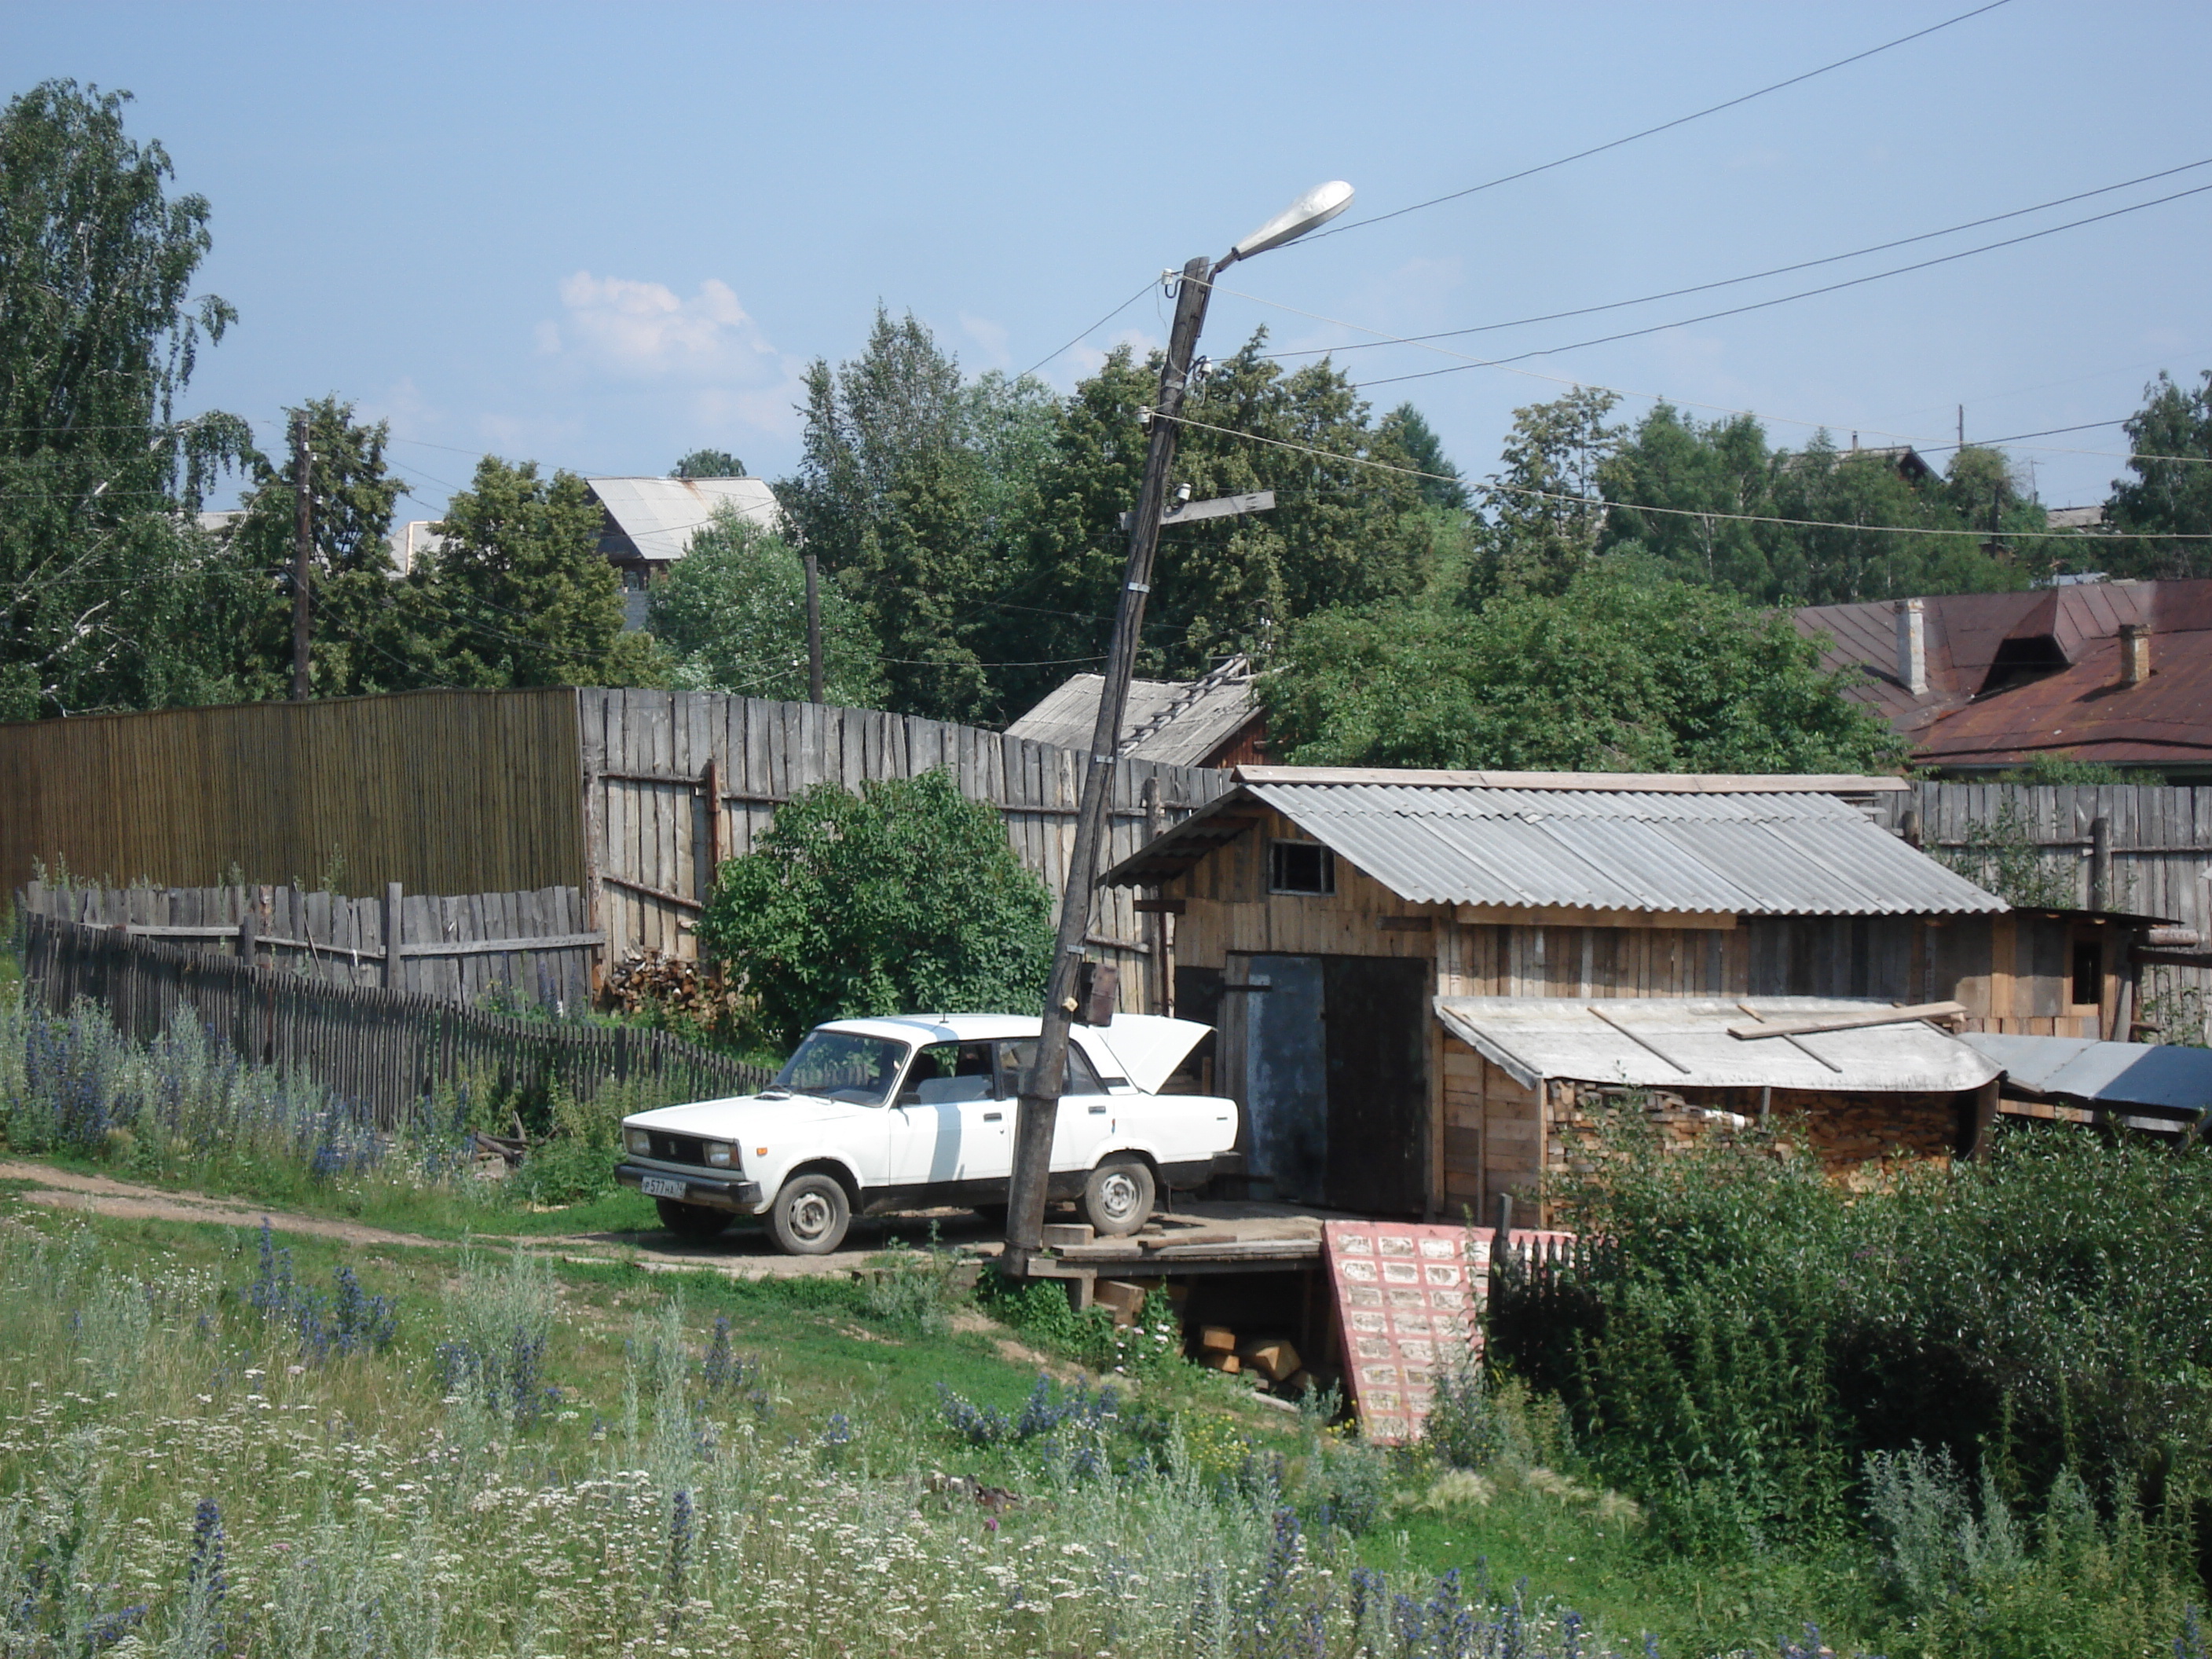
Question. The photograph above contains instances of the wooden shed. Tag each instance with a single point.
(1334, 925)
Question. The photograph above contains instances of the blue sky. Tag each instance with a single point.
(599, 236)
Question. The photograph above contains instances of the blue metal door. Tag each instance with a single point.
(1286, 1076)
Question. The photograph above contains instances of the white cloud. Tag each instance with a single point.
(991, 335)
(642, 330)
(1087, 360)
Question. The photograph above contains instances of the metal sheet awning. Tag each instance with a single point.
(2164, 1079)
(1684, 1043)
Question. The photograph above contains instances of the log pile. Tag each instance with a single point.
(647, 981)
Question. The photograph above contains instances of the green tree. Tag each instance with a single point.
(732, 612)
(1342, 531)
(2171, 436)
(518, 594)
(1626, 670)
(108, 588)
(364, 642)
(912, 484)
(904, 898)
(1423, 450)
(708, 464)
(1544, 507)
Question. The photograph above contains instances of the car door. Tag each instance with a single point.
(946, 1086)
(1086, 1110)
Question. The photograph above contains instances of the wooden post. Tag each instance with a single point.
(303, 554)
(393, 910)
(249, 925)
(1155, 823)
(2100, 863)
(813, 630)
(711, 781)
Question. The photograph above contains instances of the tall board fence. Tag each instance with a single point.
(534, 946)
(2143, 848)
(380, 1051)
(675, 781)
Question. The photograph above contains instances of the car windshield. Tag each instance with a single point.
(844, 1066)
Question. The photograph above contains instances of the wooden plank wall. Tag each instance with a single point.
(340, 941)
(380, 1054)
(2162, 846)
(443, 792)
(645, 757)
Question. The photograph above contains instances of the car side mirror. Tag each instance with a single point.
(908, 1097)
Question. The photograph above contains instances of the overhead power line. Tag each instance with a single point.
(1637, 507)
(1664, 126)
(1784, 299)
(1088, 332)
(1753, 276)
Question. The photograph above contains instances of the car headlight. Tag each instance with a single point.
(638, 1141)
(720, 1153)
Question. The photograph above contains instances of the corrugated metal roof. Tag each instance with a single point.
(660, 515)
(2116, 1073)
(1179, 722)
(1686, 1045)
(1751, 854)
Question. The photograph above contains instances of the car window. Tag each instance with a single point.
(948, 1072)
(1014, 1058)
(844, 1066)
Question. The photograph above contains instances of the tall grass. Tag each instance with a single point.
(176, 1476)
(1995, 1375)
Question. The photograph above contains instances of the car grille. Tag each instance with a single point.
(676, 1149)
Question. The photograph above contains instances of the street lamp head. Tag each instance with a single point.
(1312, 211)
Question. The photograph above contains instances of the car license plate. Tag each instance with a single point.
(659, 1187)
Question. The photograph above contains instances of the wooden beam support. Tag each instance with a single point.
(1924, 1010)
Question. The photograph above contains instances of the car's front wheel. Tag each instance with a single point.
(811, 1214)
(693, 1221)
(1117, 1198)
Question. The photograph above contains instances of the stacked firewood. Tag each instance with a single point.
(649, 980)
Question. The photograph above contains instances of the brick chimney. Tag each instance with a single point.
(2135, 653)
(1912, 645)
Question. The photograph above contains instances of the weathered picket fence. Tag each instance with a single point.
(381, 1051)
(533, 947)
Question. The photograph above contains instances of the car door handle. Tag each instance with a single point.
(1097, 1111)
(992, 1117)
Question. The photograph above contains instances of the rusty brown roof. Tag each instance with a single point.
(2062, 695)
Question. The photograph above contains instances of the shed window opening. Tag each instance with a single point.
(2088, 972)
(1300, 867)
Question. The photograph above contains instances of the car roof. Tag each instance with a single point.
(940, 1028)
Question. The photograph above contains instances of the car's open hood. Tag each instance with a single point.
(1148, 1046)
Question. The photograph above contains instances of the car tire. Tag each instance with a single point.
(810, 1215)
(1117, 1197)
(692, 1221)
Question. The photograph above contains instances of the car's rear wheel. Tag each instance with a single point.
(810, 1215)
(694, 1221)
(1117, 1197)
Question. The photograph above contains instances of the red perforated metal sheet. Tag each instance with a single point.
(1409, 1302)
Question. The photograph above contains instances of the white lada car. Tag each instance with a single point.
(873, 1114)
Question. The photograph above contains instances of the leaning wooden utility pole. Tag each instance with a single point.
(303, 555)
(1041, 1086)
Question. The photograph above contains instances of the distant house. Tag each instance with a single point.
(650, 522)
(2112, 671)
(1213, 721)
(1425, 983)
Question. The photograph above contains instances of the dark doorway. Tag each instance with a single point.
(1336, 1080)
(1376, 1008)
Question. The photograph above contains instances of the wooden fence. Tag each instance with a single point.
(380, 1051)
(674, 782)
(533, 945)
(2142, 848)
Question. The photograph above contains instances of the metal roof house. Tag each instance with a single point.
(1421, 980)
(1215, 721)
(2115, 672)
(650, 522)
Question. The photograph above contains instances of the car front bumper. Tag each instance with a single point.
(707, 1192)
